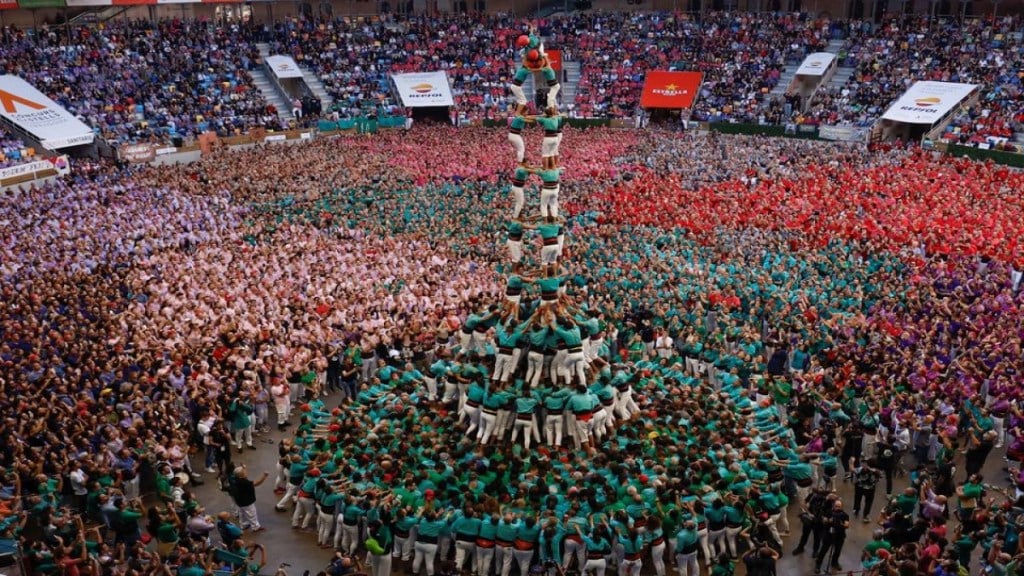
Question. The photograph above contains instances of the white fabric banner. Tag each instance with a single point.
(74, 3)
(843, 133)
(424, 89)
(41, 117)
(815, 64)
(926, 102)
(284, 66)
(60, 164)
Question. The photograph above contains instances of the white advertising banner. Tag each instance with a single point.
(284, 66)
(926, 102)
(815, 64)
(59, 164)
(843, 133)
(424, 89)
(41, 117)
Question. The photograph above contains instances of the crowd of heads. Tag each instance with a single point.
(775, 310)
(889, 58)
(142, 81)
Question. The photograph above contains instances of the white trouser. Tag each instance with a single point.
(583, 428)
(595, 566)
(625, 407)
(534, 367)
(451, 391)
(431, 384)
(600, 423)
(502, 424)
(284, 410)
(244, 434)
(630, 567)
(549, 146)
(553, 95)
(570, 547)
(549, 201)
(503, 556)
(515, 251)
(549, 254)
(730, 538)
(557, 371)
(425, 552)
(380, 565)
(349, 537)
(487, 421)
(687, 564)
(716, 543)
(658, 558)
(403, 545)
(576, 366)
(518, 145)
(303, 512)
(504, 365)
(529, 428)
(324, 528)
(553, 426)
(289, 495)
(463, 551)
(998, 427)
(519, 94)
(484, 558)
(523, 558)
(472, 413)
(248, 517)
(518, 198)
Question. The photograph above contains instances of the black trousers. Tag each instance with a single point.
(831, 548)
(809, 529)
(865, 496)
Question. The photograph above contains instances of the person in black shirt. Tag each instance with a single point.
(818, 505)
(834, 527)
(244, 493)
(761, 561)
(865, 478)
(853, 447)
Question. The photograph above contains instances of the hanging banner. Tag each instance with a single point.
(423, 89)
(29, 109)
(284, 66)
(136, 153)
(77, 3)
(673, 90)
(815, 64)
(843, 133)
(927, 102)
(8, 5)
(554, 59)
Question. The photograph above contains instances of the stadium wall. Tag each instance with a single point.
(269, 11)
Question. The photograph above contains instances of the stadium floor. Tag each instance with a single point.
(298, 548)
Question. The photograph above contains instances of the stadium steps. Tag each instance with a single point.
(840, 78)
(784, 81)
(572, 80)
(835, 46)
(271, 94)
(311, 80)
(318, 88)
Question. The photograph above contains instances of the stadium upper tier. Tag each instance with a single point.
(141, 81)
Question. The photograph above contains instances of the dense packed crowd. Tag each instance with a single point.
(13, 151)
(140, 81)
(760, 324)
(144, 81)
(891, 57)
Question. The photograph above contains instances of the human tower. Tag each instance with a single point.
(538, 320)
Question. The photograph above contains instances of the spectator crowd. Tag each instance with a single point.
(765, 319)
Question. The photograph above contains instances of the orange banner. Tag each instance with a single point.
(676, 90)
(555, 59)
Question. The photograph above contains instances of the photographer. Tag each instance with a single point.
(834, 527)
(865, 479)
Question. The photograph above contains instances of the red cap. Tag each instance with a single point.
(315, 472)
(428, 494)
(644, 478)
(306, 408)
